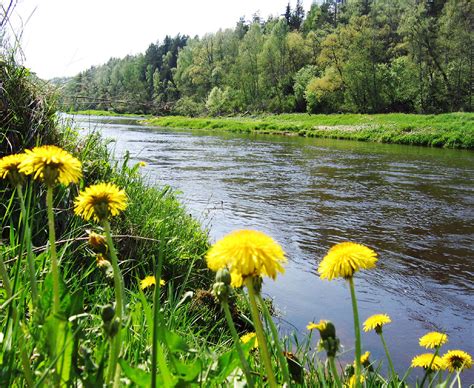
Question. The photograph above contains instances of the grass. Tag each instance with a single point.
(92, 112)
(450, 130)
(27, 109)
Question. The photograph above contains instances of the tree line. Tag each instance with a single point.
(362, 56)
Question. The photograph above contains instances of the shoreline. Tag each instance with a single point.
(451, 130)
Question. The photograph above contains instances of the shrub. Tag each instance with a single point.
(186, 106)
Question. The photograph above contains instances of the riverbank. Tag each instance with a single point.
(450, 130)
(92, 112)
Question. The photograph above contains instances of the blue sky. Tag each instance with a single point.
(63, 37)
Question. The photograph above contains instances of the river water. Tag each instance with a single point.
(413, 205)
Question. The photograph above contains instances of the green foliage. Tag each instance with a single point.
(136, 84)
(324, 94)
(371, 57)
(27, 108)
(186, 106)
(218, 102)
(302, 79)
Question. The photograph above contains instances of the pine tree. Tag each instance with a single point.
(297, 16)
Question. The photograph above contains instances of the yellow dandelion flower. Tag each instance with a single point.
(247, 253)
(352, 381)
(100, 201)
(428, 361)
(457, 360)
(142, 164)
(375, 322)
(346, 258)
(326, 330)
(10, 168)
(433, 340)
(248, 337)
(51, 164)
(319, 326)
(150, 281)
(236, 280)
(364, 359)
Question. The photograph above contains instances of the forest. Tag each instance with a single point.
(357, 56)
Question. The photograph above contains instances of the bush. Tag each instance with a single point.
(186, 106)
(218, 102)
(324, 94)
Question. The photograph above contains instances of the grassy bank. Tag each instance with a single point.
(451, 130)
(92, 112)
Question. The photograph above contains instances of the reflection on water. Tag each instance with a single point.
(413, 205)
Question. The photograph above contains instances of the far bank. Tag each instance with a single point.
(450, 130)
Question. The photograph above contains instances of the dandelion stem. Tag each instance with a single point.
(235, 337)
(276, 339)
(387, 353)
(29, 248)
(332, 365)
(118, 286)
(356, 332)
(429, 370)
(52, 250)
(458, 379)
(157, 356)
(262, 343)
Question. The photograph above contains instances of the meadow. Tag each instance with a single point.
(450, 130)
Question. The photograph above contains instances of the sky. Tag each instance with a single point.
(63, 37)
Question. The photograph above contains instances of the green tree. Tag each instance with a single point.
(302, 79)
(248, 68)
(297, 16)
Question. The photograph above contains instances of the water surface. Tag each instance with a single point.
(413, 205)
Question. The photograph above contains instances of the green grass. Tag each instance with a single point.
(450, 130)
(92, 112)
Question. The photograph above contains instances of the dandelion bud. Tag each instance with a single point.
(113, 328)
(332, 346)
(328, 341)
(108, 313)
(221, 291)
(349, 371)
(223, 276)
(364, 360)
(105, 266)
(98, 243)
(327, 330)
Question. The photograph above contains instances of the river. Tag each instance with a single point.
(413, 205)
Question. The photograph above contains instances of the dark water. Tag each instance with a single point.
(413, 205)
